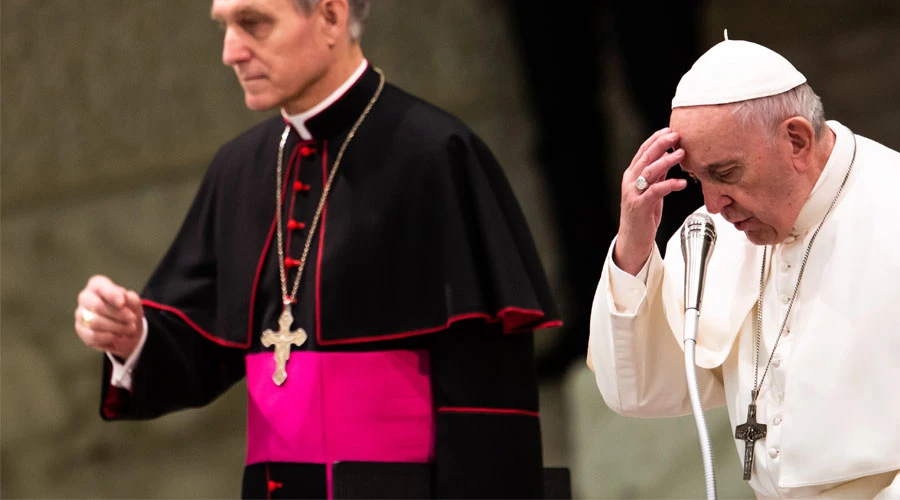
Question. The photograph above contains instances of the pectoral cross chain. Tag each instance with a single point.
(282, 340)
(750, 432)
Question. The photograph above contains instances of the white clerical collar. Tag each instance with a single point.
(299, 120)
(829, 181)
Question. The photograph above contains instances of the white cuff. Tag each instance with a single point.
(121, 373)
(626, 290)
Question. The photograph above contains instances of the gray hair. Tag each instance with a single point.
(769, 112)
(359, 11)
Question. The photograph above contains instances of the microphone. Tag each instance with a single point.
(698, 238)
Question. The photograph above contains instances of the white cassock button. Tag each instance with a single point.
(776, 420)
(776, 362)
(780, 397)
(773, 452)
(785, 266)
(785, 299)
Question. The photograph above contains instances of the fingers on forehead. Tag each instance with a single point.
(661, 145)
(651, 140)
(659, 167)
(667, 186)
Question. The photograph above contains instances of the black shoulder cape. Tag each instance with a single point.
(421, 229)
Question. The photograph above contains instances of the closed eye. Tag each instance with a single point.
(728, 176)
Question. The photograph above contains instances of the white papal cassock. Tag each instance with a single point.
(831, 399)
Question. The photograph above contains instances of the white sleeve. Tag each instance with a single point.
(627, 290)
(121, 372)
(637, 361)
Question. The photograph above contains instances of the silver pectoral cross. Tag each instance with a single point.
(282, 340)
(749, 432)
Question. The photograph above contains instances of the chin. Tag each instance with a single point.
(761, 237)
(260, 103)
(757, 241)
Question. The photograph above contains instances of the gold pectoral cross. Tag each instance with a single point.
(282, 340)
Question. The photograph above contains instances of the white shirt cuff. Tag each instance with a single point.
(626, 290)
(121, 373)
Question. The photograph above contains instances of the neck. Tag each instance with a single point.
(336, 74)
(822, 152)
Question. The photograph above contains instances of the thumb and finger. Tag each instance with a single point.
(104, 302)
(645, 184)
(109, 317)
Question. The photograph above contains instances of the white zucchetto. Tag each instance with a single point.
(733, 71)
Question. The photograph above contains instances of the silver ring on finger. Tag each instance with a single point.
(641, 183)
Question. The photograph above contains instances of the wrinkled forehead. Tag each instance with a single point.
(699, 119)
(708, 134)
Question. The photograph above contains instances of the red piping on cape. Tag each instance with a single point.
(519, 326)
(321, 246)
(290, 213)
(460, 317)
(453, 319)
(262, 256)
(195, 326)
(490, 319)
(492, 411)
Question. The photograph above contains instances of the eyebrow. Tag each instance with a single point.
(716, 166)
(243, 11)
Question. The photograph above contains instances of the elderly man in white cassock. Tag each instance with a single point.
(800, 317)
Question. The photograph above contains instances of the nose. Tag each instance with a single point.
(714, 199)
(234, 50)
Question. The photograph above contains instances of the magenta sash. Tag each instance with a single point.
(335, 406)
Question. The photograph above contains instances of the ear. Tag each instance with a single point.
(334, 14)
(801, 137)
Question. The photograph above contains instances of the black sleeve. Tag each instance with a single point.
(181, 364)
(178, 368)
(488, 442)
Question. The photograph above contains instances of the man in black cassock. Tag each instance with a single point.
(362, 260)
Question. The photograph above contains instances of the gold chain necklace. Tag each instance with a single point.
(751, 431)
(283, 338)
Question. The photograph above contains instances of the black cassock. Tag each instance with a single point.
(420, 294)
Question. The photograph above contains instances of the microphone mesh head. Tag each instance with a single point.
(699, 223)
